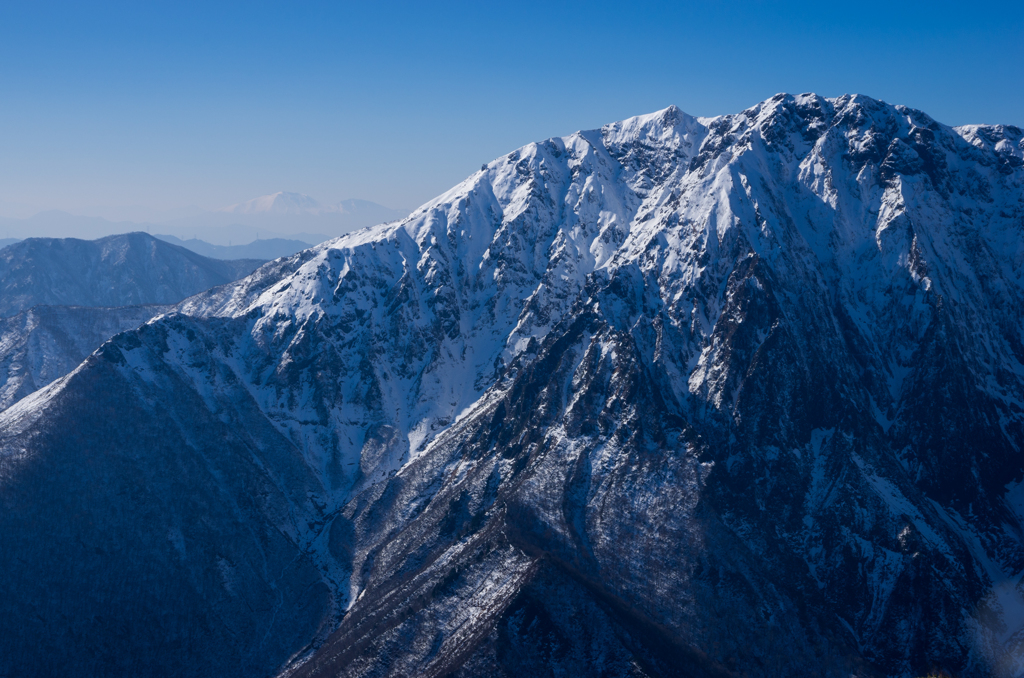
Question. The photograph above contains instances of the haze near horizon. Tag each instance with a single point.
(128, 110)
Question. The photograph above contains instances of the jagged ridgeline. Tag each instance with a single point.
(675, 397)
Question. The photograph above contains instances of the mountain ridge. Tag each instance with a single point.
(677, 378)
(118, 270)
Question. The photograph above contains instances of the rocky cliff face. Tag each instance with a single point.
(680, 396)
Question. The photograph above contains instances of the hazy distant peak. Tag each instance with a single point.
(284, 203)
(281, 202)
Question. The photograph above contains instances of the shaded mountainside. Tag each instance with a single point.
(119, 270)
(697, 397)
(45, 343)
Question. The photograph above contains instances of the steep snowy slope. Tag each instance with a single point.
(674, 397)
(119, 270)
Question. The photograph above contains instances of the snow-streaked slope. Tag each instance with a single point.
(119, 270)
(679, 394)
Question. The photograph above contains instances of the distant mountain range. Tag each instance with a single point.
(289, 216)
(265, 249)
(258, 249)
(119, 270)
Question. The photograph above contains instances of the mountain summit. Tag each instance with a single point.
(277, 203)
(687, 396)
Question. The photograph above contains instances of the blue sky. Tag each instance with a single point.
(173, 104)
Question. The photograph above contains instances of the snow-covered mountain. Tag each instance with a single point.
(278, 203)
(44, 343)
(701, 396)
(119, 270)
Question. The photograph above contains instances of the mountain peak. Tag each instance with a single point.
(282, 202)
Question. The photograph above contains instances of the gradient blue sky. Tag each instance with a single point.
(173, 104)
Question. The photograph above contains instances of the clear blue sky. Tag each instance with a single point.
(171, 104)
